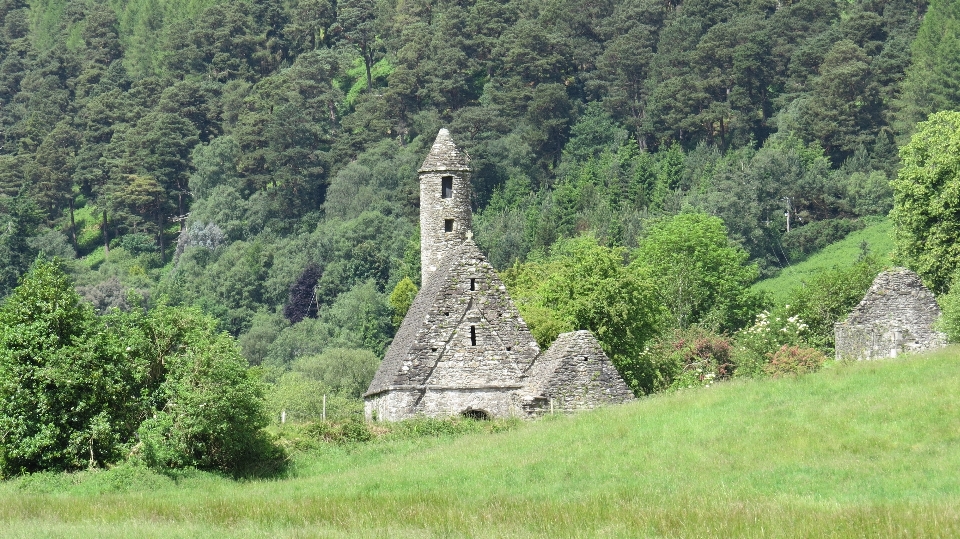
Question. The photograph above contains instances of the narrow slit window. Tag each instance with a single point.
(447, 186)
(473, 335)
(473, 284)
(448, 225)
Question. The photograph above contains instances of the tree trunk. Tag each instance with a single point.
(73, 229)
(163, 258)
(106, 235)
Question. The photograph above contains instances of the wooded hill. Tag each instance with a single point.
(257, 159)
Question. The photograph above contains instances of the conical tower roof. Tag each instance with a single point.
(445, 155)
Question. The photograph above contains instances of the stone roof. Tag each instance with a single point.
(893, 291)
(445, 155)
(432, 346)
(576, 373)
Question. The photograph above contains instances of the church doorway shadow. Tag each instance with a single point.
(478, 415)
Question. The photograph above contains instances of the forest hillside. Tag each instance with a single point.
(256, 162)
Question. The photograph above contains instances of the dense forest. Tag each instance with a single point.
(257, 160)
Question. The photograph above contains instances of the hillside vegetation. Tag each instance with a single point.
(636, 166)
(859, 449)
(876, 239)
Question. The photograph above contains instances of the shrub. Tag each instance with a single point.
(77, 390)
(689, 358)
(949, 321)
(769, 332)
(794, 361)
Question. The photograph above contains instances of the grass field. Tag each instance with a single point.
(869, 449)
(879, 241)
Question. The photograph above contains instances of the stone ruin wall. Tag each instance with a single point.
(896, 316)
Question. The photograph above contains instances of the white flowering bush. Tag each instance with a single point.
(768, 334)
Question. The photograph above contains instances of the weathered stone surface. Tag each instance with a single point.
(574, 374)
(896, 315)
(462, 332)
(441, 210)
(463, 347)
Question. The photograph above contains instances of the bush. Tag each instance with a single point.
(829, 297)
(137, 244)
(78, 390)
(770, 332)
(689, 358)
(949, 321)
(210, 408)
(794, 361)
(65, 380)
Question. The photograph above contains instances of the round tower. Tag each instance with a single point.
(445, 216)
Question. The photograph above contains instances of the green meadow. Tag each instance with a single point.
(877, 238)
(868, 449)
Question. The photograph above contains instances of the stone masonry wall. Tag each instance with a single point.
(574, 374)
(444, 160)
(896, 316)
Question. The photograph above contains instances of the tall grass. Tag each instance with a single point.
(876, 238)
(859, 449)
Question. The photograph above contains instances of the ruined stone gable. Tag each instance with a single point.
(896, 315)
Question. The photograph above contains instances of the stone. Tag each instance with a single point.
(895, 316)
(463, 347)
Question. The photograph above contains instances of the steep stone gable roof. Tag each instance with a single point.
(433, 345)
(894, 293)
(444, 155)
(576, 372)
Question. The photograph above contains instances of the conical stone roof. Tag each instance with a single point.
(445, 155)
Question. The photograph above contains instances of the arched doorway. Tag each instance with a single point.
(479, 415)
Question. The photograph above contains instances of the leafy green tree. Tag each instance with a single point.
(583, 285)
(65, 381)
(828, 298)
(344, 371)
(926, 204)
(931, 82)
(701, 278)
(209, 406)
(401, 298)
(19, 221)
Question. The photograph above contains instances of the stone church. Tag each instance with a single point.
(463, 348)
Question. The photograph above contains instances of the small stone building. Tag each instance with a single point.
(896, 316)
(463, 347)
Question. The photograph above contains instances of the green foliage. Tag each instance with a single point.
(687, 358)
(346, 372)
(829, 297)
(926, 210)
(949, 321)
(65, 382)
(209, 405)
(583, 285)
(700, 277)
(78, 389)
(794, 361)
(754, 345)
(930, 82)
(401, 298)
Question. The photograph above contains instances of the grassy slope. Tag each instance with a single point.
(879, 238)
(867, 449)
